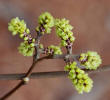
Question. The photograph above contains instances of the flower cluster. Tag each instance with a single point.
(91, 60)
(79, 78)
(63, 30)
(53, 50)
(46, 22)
(26, 49)
(17, 26)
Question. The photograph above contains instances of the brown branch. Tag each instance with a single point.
(22, 82)
(12, 91)
(33, 65)
(25, 79)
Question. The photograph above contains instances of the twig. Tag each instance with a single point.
(22, 81)
(12, 91)
(25, 79)
(35, 60)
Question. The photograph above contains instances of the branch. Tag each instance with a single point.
(27, 75)
(25, 79)
(38, 75)
(22, 82)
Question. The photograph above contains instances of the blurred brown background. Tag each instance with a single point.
(91, 19)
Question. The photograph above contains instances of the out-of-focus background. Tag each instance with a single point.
(91, 21)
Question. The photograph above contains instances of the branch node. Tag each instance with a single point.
(26, 80)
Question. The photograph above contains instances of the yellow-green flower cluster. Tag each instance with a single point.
(63, 30)
(91, 60)
(17, 26)
(54, 50)
(79, 78)
(46, 22)
(26, 49)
